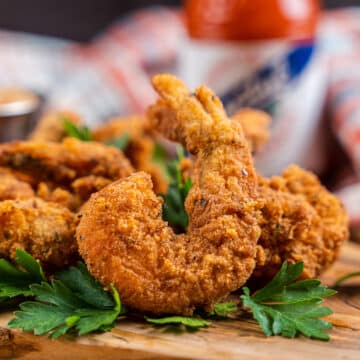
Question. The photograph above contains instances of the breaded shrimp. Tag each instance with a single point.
(45, 230)
(301, 221)
(58, 195)
(124, 240)
(51, 126)
(140, 149)
(255, 124)
(13, 188)
(63, 163)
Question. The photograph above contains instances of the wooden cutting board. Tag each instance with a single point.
(222, 340)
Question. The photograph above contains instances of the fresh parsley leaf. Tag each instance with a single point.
(343, 278)
(120, 143)
(84, 286)
(173, 208)
(91, 319)
(223, 309)
(160, 157)
(16, 280)
(79, 132)
(73, 300)
(159, 154)
(39, 317)
(287, 307)
(191, 322)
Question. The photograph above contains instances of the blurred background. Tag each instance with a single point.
(83, 19)
(297, 60)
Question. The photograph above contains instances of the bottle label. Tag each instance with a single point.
(285, 79)
(264, 87)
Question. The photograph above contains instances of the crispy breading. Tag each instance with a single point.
(301, 221)
(295, 226)
(13, 188)
(63, 163)
(45, 230)
(85, 186)
(124, 240)
(255, 124)
(58, 195)
(51, 126)
(140, 148)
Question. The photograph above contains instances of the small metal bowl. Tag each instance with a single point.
(18, 111)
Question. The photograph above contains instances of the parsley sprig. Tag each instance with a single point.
(189, 322)
(287, 307)
(15, 280)
(120, 143)
(73, 300)
(222, 310)
(173, 208)
(346, 277)
(79, 132)
(83, 133)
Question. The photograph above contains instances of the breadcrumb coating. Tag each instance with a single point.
(140, 149)
(124, 241)
(301, 221)
(45, 230)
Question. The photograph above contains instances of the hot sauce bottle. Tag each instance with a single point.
(262, 54)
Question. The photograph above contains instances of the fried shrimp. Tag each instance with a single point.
(51, 126)
(255, 124)
(62, 164)
(58, 195)
(45, 230)
(301, 221)
(124, 241)
(13, 188)
(140, 148)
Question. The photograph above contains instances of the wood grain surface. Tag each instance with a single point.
(228, 339)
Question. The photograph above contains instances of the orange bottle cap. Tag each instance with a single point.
(252, 19)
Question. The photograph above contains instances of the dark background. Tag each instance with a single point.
(80, 19)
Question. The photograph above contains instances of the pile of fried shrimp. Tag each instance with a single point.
(63, 199)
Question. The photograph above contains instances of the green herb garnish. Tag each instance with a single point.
(173, 208)
(191, 322)
(287, 307)
(161, 158)
(343, 278)
(74, 300)
(223, 309)
(79, 132)
(120, 143)
(16, 280)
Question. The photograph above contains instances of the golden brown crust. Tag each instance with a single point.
(301, 221)
(124, 240)
(58, 195)
(63, 163)
(85, 186)
(51, 126)
(140, 149)
(13, 188)
(255, 124)
(45, 230)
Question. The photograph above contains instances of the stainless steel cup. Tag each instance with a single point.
(18, 111)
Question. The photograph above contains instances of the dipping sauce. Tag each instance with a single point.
(18, 108)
